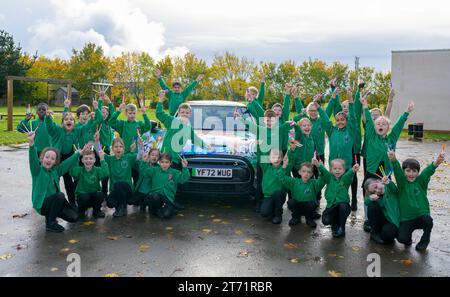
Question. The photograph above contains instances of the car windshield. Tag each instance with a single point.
(214, 117)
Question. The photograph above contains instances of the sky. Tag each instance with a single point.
(260, 30)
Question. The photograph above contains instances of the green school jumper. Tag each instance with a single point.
(377, 147)
(144, 183)
(389, 203)
(106, 132)
(61, 139)
(341, 140)
(89, 129)
(89, 181)
(306, 152)
(302, 191)
(46, 182)
(270, 180)
(176, 128)
(175, 99)
(337, 189)
(413, 195)
(120, 169)
(42, 137)
(257, 110)
(166, 182)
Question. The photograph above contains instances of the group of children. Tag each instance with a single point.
(290, 161)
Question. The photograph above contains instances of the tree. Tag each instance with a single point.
(11, 62)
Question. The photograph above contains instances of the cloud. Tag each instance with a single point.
(115, 25)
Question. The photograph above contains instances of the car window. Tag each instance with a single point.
(213, 117)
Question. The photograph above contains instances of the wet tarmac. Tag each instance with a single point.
(212, 236)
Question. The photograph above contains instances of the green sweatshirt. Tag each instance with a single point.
(128, 130)
(89, 129)
(166, 182)
(42, 138)
(270, 180)
(106, 132)
(341, 140)
(358, 116)
(46, 182)
(389, 203)
(120, 169)
(144, 183)
(378, 148)
(89, 181)
(302, 191)
(61, 139)
(306, 152)
(257, 110)
(413, 195)
(337, 189)
(176, 128)
(175, 99)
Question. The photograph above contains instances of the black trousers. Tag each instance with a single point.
(161, 206)
(379, 224)
(273, 206)
(105, 181)
(296, 175)
(93, 200)
(299, 209)
(119, 195)
(316, 174)
(56, 206)
(69, 183)
(259, 196)
(138, 199)
(336, 216)
(406, 228)
(354, 185)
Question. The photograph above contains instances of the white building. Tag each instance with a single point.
(423, 76)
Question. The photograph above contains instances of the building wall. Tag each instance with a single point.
(423, 77)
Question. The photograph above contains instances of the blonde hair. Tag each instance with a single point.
(384, 118)
(130, 107)
(305, 120)
(117, 140)
(309, 106)
(67, 114)
(342, 162)
(184, 106)
(277, 151)
(253, 90)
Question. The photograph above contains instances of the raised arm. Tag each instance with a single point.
(67, 164)
(325, 121)
(262, 92)
(189, 88)
(286, 108)
(162, 116)
(398, 127)
(390, 102)
(32, 156)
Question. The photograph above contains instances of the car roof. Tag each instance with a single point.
(216, 103)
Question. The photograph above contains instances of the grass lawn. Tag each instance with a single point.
(15, 137)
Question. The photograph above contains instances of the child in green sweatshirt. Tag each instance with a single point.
(105, 130)
(88, 177)
(176, 95)
(414, 205)
(46, 194)
(382, 209)
(304, 191)
(120, 186)
(42, 138)
(164, 184)
(336, 194)
(179, 131)
(252, 94)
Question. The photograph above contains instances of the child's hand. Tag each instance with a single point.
(285, 161)
(333, 82)
(67, 103)
(101, 94)
(157, 73)
(200, 77)
(316, 99)
(293, 144)
(391, 94)
(391, 156)
(28, 116)
(87, 147)
(440, 159)
(385, 180)
(336, 92)
(101, 155)
(184, 162)
(236, 114)
(287, 88)
(350, 95)
(263, 76)
(315, 162)
(143, 108)
(361, 84)
(355, 168)
(97, 137)
(162, 95)
(92, 115)
(122, 106)
(49, 113)
(410, 107)
(363, 100)
(133, 147)
(30, 137)
(373, 197)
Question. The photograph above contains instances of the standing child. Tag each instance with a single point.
(304, 191)
(120, 166)
(176, 95)
(382, 209)
(42, 138)
(105, 130)
(46, 195)
(336, 194)
(414, 204)
(88, 191)
(164, 183)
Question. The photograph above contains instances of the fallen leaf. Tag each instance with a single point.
(88, 223)
(54, 269)
(238, 232)
(144, 248)
(201, 216)
(169, 228)
(332, 255)
(294, 260)
(64, 250)
(291, 245)
(249, 241)
(406, 262)
(217, 220)
(206, 231)
(112, 237)
(355, 248)
(73, 241)
(243, 254)
(225, 222)
(6, 256)
(180, 215)
(19, 216)
(334, 273)
(227, 206)
(111, 275)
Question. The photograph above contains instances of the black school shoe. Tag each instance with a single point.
(366, 226)
(277, 220)
(377, 238)
(258, 207)
(423, 244)
(340, 232)
(294, 221)
(317, 216)
(121, 211)
(54, 227)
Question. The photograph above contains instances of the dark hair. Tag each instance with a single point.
(50, 149)
(411, 164)
(176, 84)
(152, 150)
(87, 153)
(82, 109)
(165, 156)
(42, 104)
